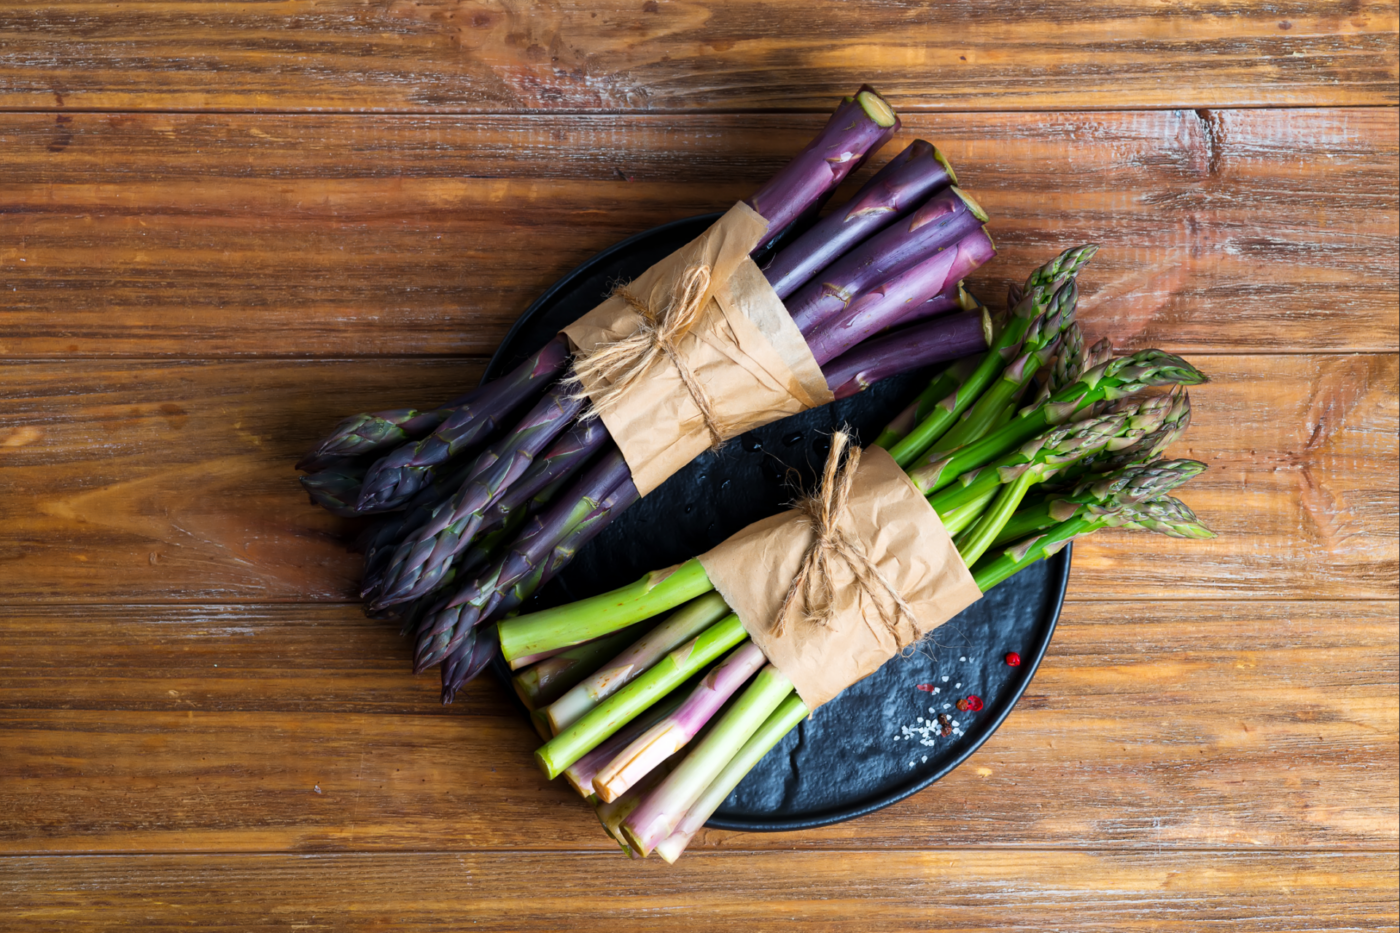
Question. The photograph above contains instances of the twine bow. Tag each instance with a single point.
(813, 582)
(615, 367)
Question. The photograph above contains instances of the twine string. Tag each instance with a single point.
(813, 584)
(614, 367)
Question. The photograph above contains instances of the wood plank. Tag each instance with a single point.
(228, 728)
(490, 55)
(173, 480)
(781, 891)
(313, 235)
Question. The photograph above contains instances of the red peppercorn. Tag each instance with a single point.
(1013, 660)
(972, 704)
(926, 688)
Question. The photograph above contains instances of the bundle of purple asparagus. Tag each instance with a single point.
(481, 501)
(1014, 472)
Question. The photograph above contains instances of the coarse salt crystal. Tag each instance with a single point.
(945, 678)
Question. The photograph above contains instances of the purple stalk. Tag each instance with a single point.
(463, 608)
(382, 545)
(859, 126)
(534, 576)
(565, 457)
(424, 557)
(899, 296)
(953, 298)
(923, 344)
(580, 774)
(893, 192)
(521, 578)
(939, 222)
(402, 473)
(672, 734)
(364, 434)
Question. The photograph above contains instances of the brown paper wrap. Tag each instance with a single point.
(744, 350)
(901, 535)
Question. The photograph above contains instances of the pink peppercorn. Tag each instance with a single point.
(1013, 660)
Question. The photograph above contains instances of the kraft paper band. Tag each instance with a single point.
(901, 536)
(744, 351)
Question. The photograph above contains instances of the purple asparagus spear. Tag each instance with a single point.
(922, 344)
(423, 558)
(537, 574)
(905, 181)
(860, 125)
(898, 296)
(535, 543)
(400, 474)
(953, 298)
(939, 222)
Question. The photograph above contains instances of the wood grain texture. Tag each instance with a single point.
(493, 55)
(886, 891)
(330, 235)
(173, 480)
(1247, 724)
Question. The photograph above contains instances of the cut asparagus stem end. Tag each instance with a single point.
(640, 758)
(672, 846)
(877, 109)
(966, 303)
(683, 624)
(664, 807)
(972, 204)
(580, 774)
(625, 705)
(782, 721)
(675, 731)
(947, 166)
(587, 619)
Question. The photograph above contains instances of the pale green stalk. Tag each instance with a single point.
(620, 708)
(685, 623)
(664, 807)
(587, 619)
(782, 721)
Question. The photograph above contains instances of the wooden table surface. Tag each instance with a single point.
(225, 225)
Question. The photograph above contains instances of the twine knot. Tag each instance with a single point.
(615, 367)
(813, 583)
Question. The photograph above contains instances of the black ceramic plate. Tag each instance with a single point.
(851, 757)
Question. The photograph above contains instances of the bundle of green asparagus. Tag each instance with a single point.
(1019, 451)
(479, 502)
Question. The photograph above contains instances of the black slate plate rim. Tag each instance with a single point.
(1001, 706)
(984, 732)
